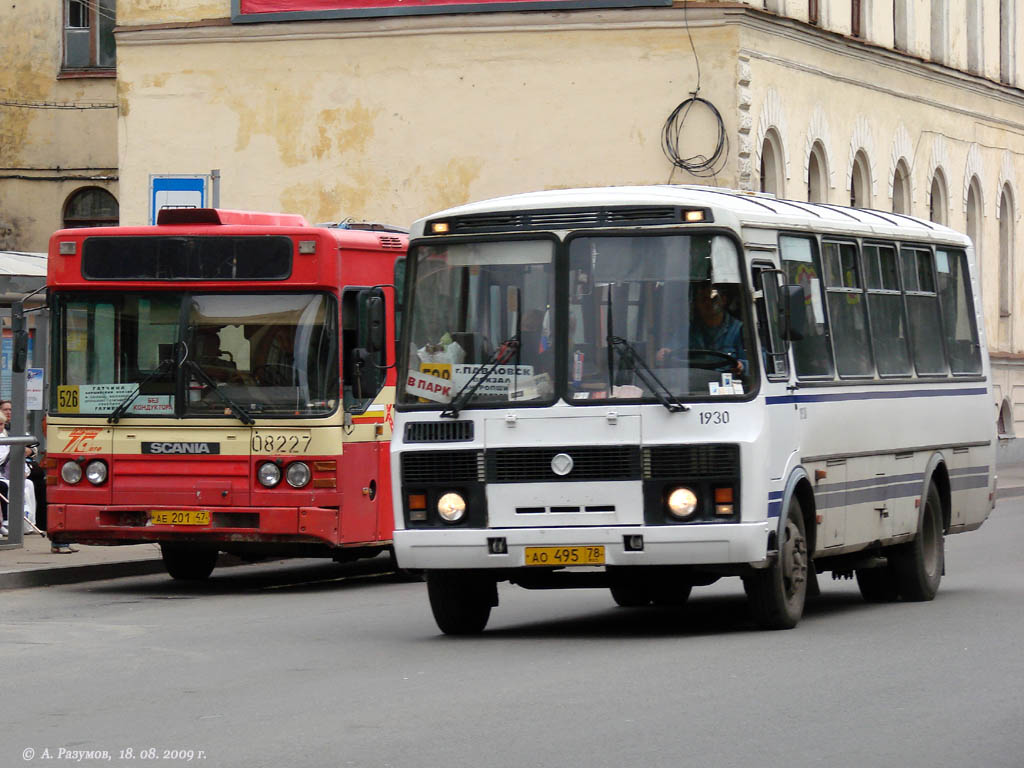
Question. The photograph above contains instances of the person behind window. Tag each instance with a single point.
(713, 328)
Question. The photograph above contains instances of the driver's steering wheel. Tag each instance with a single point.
(708, 359)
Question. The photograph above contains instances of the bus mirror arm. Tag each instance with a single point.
(793, 313)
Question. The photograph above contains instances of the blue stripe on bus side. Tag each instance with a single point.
(886, 395)
(880, 489)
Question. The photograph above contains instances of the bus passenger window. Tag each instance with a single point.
(846, 310)
(958, 312)
(885, 306)
(923, 311)
(812, 355)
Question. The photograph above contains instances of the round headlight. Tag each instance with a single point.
(96, 472)
(269, 474)
(298, 474)
(451, 507)
(682, 502)
(71, 472)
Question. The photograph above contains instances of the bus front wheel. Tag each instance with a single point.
(188, 563)
(461, 601)
(776, 594)
(918, 565)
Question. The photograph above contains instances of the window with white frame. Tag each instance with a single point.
(817, 175)
(938, 199)
(940, 30)
(1005, 253)
(860, 182)
(901, 189)
(771, 164)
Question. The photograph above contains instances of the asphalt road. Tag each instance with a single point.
(323, 665)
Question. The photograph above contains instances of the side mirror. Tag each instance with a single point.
(375, 323)
(793, 313)
(19, 357)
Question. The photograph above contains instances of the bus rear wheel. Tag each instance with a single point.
(185, 562)
(878, 585)
(461, 601)
(918, 565)
(777, 594)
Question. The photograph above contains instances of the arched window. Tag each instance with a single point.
(771, 164)
(860, 182)
(901, 189)
(975, 60)
(938, 204)
(1006, 214)
(974, 216)
(91, 207)
(817, 175)
(940, 30)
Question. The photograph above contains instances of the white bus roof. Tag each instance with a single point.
(745, 209)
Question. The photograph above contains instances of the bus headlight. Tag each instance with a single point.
(71, 472)
(682, 502)
(298, 474)
(269, 474)
(96, 472)
(451, 507)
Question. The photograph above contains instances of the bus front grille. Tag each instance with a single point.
(439, 432)
(431, 467)
(713, 460)
(589, 463)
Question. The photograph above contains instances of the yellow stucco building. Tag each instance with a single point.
(383, 110)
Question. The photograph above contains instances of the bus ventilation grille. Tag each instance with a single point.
(526, 465)
(685, 461)
(431, 467)
(569, 218)
(391, 242)
(439, 432)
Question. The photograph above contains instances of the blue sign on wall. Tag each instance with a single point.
(176, 192)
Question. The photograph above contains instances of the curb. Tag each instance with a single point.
(73, 574)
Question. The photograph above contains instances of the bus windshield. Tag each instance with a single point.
(192, 354)
(651, 317)
(655, 316)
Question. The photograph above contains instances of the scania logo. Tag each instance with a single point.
(181, 448)
(562, 464)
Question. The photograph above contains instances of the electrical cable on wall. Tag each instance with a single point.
(671, 132)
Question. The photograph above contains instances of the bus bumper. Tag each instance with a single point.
(93, 524)
(668, 545)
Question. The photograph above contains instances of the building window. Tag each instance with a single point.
(937, 199)
(856, 18)
(940, 34)
(860, 182)
(974, 215)
(817, 175)
(901, 25)
(89, 34)
(901, 189)
(91, 207)
(1007, 52)
(1005, 253)
(771, 165)
(975, 62)
(813, 14)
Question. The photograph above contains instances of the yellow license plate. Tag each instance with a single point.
(180, 517)
(559, 556)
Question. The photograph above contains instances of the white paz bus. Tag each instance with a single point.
(650, 388)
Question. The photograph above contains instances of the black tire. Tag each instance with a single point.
(629, 587)
(777, 594)
(878, 585)
(918, 565)
(188, 563)
(461, 601)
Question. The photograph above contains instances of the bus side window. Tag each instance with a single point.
(776, 358)
(958, 312)
(812, 355)
(363, 361)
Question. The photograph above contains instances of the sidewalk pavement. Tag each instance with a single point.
(34, 565)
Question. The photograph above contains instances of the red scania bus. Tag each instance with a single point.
(222, 382)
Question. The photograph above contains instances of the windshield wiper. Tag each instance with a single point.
(643, 371)
(506, 351)
(236, 409)
(123, 406)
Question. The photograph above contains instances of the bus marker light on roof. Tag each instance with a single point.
(439, 227)
(307, 246)
(68, 248)
(693, 216)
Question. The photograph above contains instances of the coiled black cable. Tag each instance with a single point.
(671, 133)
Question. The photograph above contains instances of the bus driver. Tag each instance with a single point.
(712, 327)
